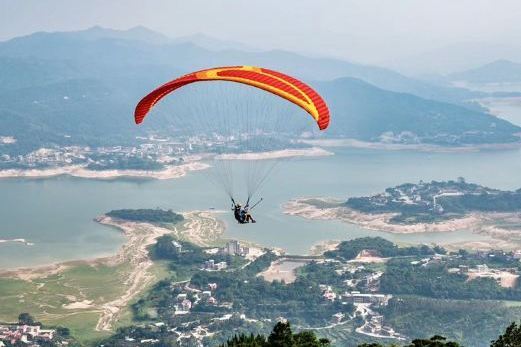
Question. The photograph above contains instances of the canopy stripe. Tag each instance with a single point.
(271, 81)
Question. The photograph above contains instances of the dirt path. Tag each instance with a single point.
(201, 228)
(140, 236)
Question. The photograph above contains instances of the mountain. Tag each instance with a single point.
(365, 112)
(81, 88)
(138, 33)
(99, 112)
(140, 46)
(213, 43)
(494, 72)
(456, 57)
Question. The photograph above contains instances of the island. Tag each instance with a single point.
(437, 206)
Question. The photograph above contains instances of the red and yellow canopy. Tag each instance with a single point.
(271, 81)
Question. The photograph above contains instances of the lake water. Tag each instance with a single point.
(57, 214)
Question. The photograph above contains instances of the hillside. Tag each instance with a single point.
(495, 72)
(81, 88)
(141, 46)
(365, 112)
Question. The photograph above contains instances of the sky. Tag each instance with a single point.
(368, 31)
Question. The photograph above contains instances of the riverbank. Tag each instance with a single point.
(286, 153)
(173, 171)
(503, 228)
(193, 163)
(352, 143)
(128, 273)
(21, 240)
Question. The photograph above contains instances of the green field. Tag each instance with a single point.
(47, 298)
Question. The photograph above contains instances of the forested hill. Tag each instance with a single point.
(80, 88)
(363, 111)
(428, 202)
(141, 46)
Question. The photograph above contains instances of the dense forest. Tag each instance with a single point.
(350, 249)
(147, 215)
(434, 280)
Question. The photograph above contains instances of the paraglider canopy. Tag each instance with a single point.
(274, 82)
(227, 123)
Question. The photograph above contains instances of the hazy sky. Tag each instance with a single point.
(366, 31)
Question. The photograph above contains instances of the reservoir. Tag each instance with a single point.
(56, 214)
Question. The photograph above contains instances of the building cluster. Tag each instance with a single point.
(30, 335)
(7, 140)
(369, 281)
(427, 196)
(50, 157)
(374, 326)
(163, 150)
(211, 265)
(355, 297)
(190, 297)
(234, 247)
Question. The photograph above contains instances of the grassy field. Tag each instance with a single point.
(47, 299)
(74, 297)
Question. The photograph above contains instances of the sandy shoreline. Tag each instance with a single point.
(22, 241)
(200, 227)
(352, 143)
(480, 223)
(194, 163)
(81, 171)
(286, 153)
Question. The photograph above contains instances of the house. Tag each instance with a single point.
(177, 246)
(356, 297)
(338, 316)
(329, 295)
(186, 305)
(211, 265)
(206, 294)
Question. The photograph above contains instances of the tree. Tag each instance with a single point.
(63, 331)
(281, 336)
(25, 318)
(435, 341)
(309, 339)
(511, 337)
(243, 340)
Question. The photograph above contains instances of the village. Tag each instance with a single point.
(196, 311)
(151, 152)
(424, 197)
(360, 289)
(27, 334)
(191, 299)
(162, 150)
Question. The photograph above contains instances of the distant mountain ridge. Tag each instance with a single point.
(143, 46)
(495, 72)
(81, 88)
(363, 111)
